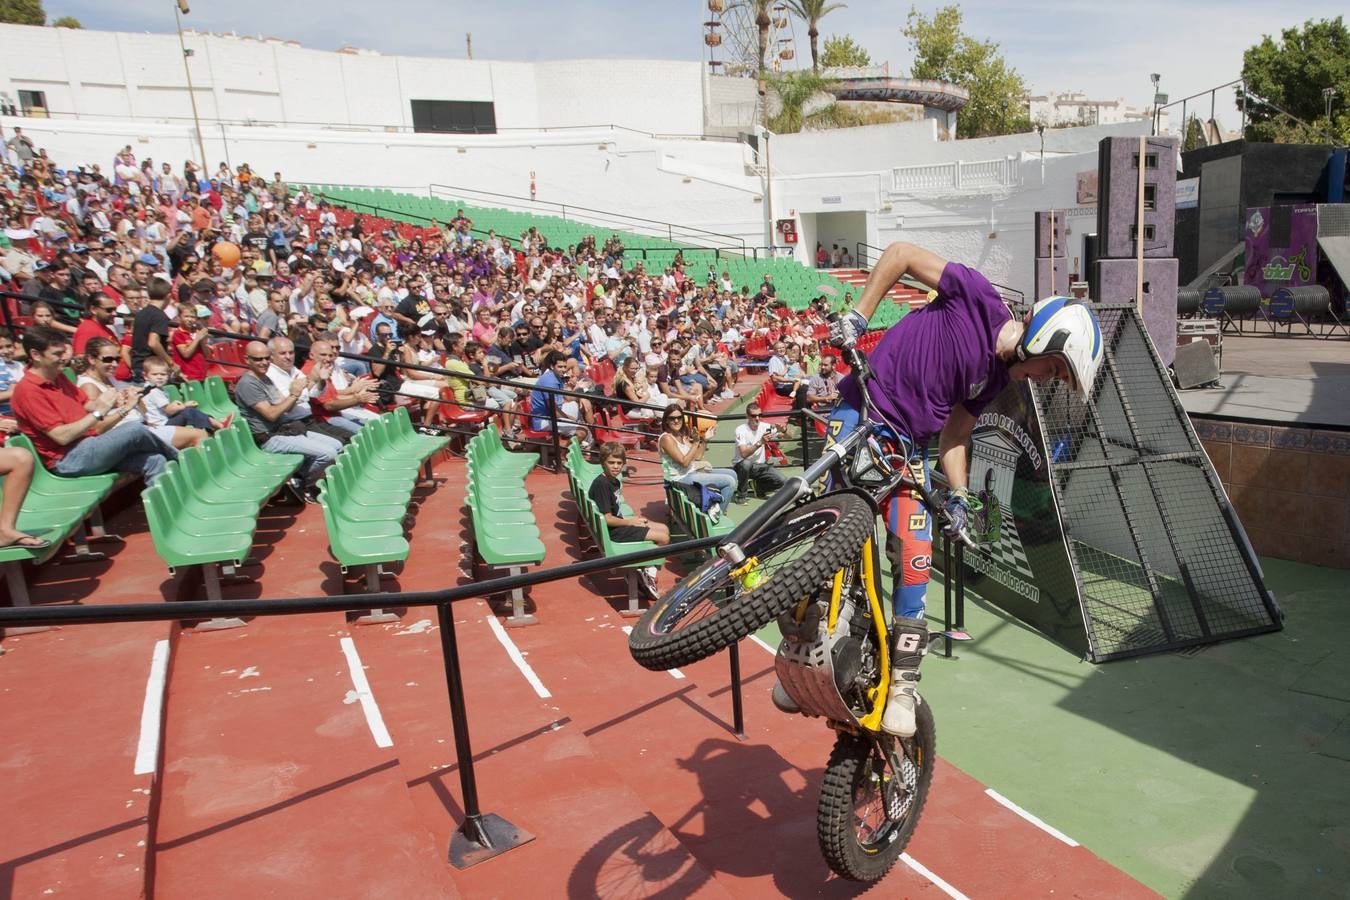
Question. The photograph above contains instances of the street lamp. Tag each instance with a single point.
(1155, 78)
(180, 9)
(1327, 95)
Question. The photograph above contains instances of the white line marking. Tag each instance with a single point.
(763, 643)
(518, 658)
(674, 673)
(1048, 829)
(927, 873)
(368, 704)
(147, 748)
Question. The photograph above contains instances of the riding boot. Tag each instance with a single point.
(782, 700)
(909, 642)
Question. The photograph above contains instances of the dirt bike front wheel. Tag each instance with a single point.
(718, 604)
(869, 803)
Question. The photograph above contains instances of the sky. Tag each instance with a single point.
(1107, 50)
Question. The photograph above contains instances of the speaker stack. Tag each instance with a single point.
(1118, 241)
(1052, 270)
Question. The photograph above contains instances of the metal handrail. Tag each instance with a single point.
(481, 835)
(563, 207)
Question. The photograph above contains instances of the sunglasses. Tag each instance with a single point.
(108, 359)
(259, 358)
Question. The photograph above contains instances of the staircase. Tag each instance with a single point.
(900, 293)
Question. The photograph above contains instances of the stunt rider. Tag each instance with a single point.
(934, 372)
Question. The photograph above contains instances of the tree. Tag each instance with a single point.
(1195, 134)
(942, 51)
(67, 22)
(1292, 74)
(813, 11)
(22, 12)
(842, 51)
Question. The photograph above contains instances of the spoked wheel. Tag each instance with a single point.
(789, 559)
(871, 799)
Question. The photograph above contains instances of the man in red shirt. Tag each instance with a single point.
(74, 436)
(102, 309)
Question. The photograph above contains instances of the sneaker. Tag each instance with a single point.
(647, 578)
(728, 395)
(715, 514)
(782, 700)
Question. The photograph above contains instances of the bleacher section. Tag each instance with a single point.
(505, 533)
(56, 509)
(797, 285)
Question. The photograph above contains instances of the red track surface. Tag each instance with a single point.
(271, 784)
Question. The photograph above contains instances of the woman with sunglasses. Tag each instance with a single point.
(102, 357)
(682, 452)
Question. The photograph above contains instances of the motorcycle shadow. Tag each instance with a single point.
(756, 818)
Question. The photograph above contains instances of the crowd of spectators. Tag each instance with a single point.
(134, 273)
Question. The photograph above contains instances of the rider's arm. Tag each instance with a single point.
(954, 446)
(898, 260)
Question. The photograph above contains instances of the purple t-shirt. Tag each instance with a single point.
(938, 357)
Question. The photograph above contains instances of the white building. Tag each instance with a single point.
(1075, 108)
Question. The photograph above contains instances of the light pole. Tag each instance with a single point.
(1155, 78)
(180, 9)
(1327, 95)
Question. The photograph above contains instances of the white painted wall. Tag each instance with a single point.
(88, 74)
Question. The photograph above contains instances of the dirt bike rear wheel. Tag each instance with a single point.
(711, 608)
(868, 810)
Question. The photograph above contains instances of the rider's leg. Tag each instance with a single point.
(911, 527)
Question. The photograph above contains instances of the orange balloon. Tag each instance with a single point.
(226, 254)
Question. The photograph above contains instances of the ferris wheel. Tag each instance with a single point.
(732, 37)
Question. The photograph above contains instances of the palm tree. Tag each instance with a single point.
(812, 11)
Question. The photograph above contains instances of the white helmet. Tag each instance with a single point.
(1065, 328)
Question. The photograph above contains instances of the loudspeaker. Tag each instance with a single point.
(1118, 196)
(1048, 245)
(1090, 256)
(1059, 286)
(1194, 365)
(1116, 279)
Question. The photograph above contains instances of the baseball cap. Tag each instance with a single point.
(148, 259)
(203, 285)
(41, 265)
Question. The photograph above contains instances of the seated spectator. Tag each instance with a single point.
(631, 385)
(11, 370)
(749, 460)
(822, 389)
(161, 411)
(340, 395)
(16, 466)
(283, 373)
(573, 415)
(101, 358)
(267, 410)
(73, 435)
(99, 323)
(150, 331)
(606, 490)
(187, 343)
(682, 452)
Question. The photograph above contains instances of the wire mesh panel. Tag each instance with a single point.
(1159, 556)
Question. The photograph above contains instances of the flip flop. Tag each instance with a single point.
(40, 543)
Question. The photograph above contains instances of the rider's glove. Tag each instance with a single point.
(846, 329)
(957, 508)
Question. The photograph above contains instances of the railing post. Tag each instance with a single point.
(737, 702)
(553, 427)
(482, 836)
